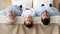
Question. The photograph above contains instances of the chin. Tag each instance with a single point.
(10, 21)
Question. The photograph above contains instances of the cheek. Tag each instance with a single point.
(26, 19)
(30, 19)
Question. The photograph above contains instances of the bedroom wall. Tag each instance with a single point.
(55, 4)
(0, 4)
(59, 4)
(5, 3)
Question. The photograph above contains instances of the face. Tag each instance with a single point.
(10, 15)
(45, 18)
(28, 21)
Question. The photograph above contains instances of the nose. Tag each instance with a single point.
(28, 19)
(11, 14)
(44, 16)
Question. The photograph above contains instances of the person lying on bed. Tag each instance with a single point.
(11, 18)
(28, 26)
(17, 10)
(46, 27)
(51, 10)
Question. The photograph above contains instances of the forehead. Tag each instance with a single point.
(28, 16)
(45, 11)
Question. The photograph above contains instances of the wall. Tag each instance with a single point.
(0, 4)
(59, 1)
(55, 4)
(5, 3)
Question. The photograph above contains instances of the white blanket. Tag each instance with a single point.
(48, 29)
(36, 20)
(19, 28)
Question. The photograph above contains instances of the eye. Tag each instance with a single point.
(50, 5)
(42, 5)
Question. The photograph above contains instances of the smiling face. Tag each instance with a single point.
(45, 17)
(28, 21)
(11, 15)
(45, 14)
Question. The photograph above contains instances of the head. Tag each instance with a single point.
(28, 14)
(28, 21)
(45, 18)
(11, 15)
